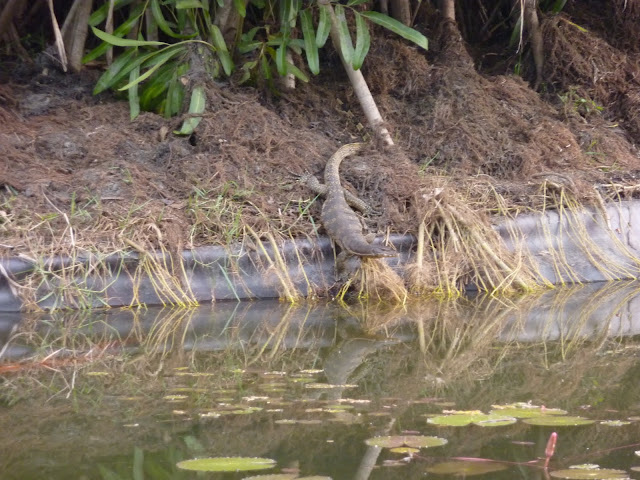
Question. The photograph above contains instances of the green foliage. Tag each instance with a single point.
(158, 74)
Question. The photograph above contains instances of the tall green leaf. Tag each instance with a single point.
(134, 98)
(346, 46)
(281, 59)
(156, 11)
(296, 72)
(155, 89)
(186, 4)
(100, 14)
(363, 42)
(324, 27)
(240, 7)
(398, 28)
(155, 62)
(196, 106)
(221, 50)
(310, 47)
(123, 42)
(174, 98)
(116, 70)
(123, 29)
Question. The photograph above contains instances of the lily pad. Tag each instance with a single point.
(415, 441)
(227, 464)
(525, 410)
(590, 473)
(328, 385)
(558, 421)
(615, 423)
(275, 476)
(466, 468)
(404, 450)
(461, 419)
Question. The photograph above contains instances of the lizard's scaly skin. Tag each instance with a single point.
(340, 221)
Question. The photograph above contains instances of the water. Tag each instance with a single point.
(127, 394)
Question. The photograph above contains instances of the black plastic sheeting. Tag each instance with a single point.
(567, 247)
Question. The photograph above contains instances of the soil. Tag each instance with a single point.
(76, 172)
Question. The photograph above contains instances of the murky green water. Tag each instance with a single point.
(128, 394)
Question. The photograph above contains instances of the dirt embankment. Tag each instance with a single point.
(78, 174)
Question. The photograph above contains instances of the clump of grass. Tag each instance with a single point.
(375, 280)
(460, 248)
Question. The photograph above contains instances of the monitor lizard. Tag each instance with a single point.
(339, 220)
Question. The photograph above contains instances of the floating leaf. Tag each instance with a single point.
(194, 374)
(614, 423)
(275, 476)
(558, 421)
(302, 380)
(328, 385)
(227, 464)
(288, 421)
(525, 410)
(175, 397)
(461, 419)
(416, 441)
(404, 450)
(466, 468)
(590, 473)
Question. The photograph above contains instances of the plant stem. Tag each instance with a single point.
(358, 82)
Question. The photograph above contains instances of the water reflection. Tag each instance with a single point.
(139, 390)
(591, 312)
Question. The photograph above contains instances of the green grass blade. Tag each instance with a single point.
(363, 42)
(346, 45)
(310, 47)
(324, 27)
(123, 42)
(398, 28)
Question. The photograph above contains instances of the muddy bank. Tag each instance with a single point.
(474, 142)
